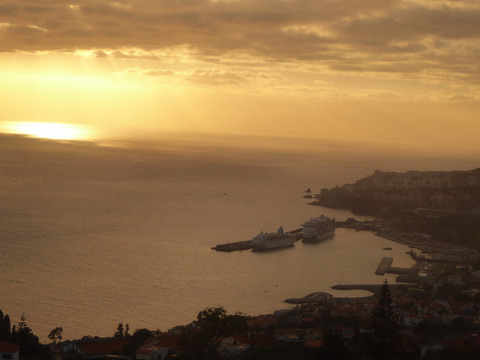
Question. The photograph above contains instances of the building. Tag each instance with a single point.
(9, 351)
(233, 346)
(158, 348)
(96, 348)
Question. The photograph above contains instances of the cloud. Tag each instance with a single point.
(149, 72)
(212, 76)
(383, 36)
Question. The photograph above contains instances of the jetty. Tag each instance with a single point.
(315, 297)
(404, 274)
(235, 246)
(384, 265)
(373, 288)
(246, 244)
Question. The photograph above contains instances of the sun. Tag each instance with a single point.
(46, 130)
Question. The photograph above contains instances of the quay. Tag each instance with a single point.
(399, 271)
(246, 244)
(235, 246)
(404, 274)
(384, 265)
(315, 297)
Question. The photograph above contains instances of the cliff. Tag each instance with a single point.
(384, 191)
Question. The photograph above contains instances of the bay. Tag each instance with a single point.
(97, 234)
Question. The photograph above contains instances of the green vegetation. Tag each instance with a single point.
(121, 331)
(22, 335)
(385, 325)
(200, 339)
(56, 335)
(371, 334)
(134, 340)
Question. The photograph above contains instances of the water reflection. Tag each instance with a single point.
(46, 130)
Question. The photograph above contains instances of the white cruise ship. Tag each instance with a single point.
(270, 240)
(318, 228)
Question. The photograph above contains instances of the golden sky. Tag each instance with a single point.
(401, 70)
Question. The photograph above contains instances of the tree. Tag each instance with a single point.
(210, 320)
(201, 339)
(140, 335)
(5, 327)
(135, 340)
(23, 336)
(217, 323)
(56, 335)
(385, 325)
(333, 346)
(120, 331)
(22, 324)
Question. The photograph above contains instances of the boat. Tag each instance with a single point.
(318, 228)
(271, 240)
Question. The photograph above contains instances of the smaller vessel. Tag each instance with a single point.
(271, 240)
(386, 247)
(319, 228)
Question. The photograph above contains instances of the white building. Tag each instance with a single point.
(9, 351)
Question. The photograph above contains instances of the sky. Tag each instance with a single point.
(398, 71)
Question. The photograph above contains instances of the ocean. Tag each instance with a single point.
(97, 234)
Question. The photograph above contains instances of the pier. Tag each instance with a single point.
(384, 265)
(246, 244)
(235, 246)
(404, 274)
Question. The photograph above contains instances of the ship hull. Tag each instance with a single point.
(269, 241)
(270, 246)
(318, 229)
(318, 236)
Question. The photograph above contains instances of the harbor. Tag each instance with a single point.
(313, 230)
(247, 244)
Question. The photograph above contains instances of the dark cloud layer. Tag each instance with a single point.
(353, 35)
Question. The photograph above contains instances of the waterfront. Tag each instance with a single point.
(92, 236)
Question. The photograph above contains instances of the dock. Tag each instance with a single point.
(384, 265)
(235, 246)
(246, 244)
(405, 274)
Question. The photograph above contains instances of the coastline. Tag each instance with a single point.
(322, 297)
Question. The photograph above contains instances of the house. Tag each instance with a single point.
(347, 332)
(158, 348)
(262, 321)
(463, 342)
(233, 346)
(9, 351)
(290, 334)
(265, 340)
(412, 318)
(96, 348)
(433, 347)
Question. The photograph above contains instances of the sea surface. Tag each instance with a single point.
(96, 234)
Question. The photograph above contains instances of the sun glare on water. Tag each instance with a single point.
(45, 130)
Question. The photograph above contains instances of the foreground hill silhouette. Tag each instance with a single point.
(382, 328)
